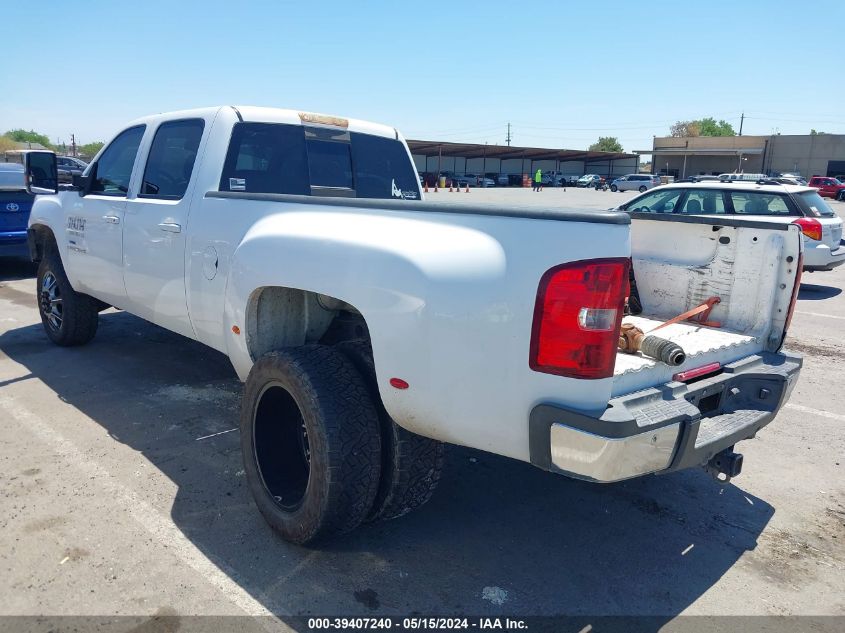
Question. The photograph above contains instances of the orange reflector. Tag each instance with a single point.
(324, 119)
(689, 374)
(236, 329)
(398, 383)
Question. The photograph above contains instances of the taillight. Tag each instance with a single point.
(577, 317)
(810, 227)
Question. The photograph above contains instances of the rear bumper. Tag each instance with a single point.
(666, 428)
(822, 257)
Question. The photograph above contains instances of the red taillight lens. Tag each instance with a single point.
(577, 317)
(810, 227)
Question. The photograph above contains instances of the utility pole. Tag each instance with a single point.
(508, 139)
(72, 145)
(741, 121)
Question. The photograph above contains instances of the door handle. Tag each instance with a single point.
(112, 219)
(170, 227)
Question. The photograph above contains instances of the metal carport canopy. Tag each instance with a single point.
(475, 150)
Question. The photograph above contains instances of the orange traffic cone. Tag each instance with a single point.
(435, 187)
(467, 191)
(450, 186)
(425, 186)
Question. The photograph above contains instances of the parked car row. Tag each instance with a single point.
(772, 203)
(549, 179)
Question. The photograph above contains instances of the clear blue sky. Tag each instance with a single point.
(561, 73)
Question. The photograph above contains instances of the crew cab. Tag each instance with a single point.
(370, 327)
(828, 187)
(766, 202)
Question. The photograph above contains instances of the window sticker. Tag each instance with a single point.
(237, 184)
(396, 192)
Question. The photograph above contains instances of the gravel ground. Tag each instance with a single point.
(122, 492)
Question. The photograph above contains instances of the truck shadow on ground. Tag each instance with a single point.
(551, 545)
(813, 292)
(14, 268)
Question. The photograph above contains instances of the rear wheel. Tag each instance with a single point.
(643, 188)
(69, 317)
(311, 442)
(410, 464)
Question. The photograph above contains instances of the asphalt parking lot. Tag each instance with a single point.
(122, 492)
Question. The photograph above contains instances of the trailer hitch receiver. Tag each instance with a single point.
(725, 465)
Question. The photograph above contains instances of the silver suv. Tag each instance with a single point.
(639, 182)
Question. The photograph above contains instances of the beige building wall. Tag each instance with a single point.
(805, 154)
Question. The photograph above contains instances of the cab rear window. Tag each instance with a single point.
(303, 160)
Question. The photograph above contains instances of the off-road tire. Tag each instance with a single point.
(316, 388)
(410, 464)
(69, 318)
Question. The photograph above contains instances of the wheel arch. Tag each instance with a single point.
(40, 237)
(280, 316)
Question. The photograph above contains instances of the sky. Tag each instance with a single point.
(561, 73)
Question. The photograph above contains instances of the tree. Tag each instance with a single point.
(6, 144)
(814, 133)
(685, 128)
(606, 144)
(707, 126)
(711, 127)
(22, 136)
(90, 149)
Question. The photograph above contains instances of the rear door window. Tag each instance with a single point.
(171, 159)
(704, 202)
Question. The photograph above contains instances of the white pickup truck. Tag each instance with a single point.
(371, 327)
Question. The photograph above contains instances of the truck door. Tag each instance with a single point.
(154, 231)
(94, 222)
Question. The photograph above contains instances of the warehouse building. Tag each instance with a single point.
(436, 157)
(803, 154)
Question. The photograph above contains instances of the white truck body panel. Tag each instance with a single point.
(448, 296)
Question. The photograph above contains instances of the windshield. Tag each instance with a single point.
(815, 204)
(11, 176)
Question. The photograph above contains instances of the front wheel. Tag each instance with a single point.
(310, 441)
(643, 189)
(614, 188)
(69, 318)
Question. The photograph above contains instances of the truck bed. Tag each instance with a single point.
(702, 345)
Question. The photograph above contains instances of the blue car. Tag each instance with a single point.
(15, 205)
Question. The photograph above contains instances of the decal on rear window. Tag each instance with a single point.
(237, 184)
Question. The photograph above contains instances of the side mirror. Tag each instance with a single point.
(41, 173)
(80, 183)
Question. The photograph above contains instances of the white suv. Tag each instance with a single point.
(775, 203)
(638, 182)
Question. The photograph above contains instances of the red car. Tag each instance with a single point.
(828, 187)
